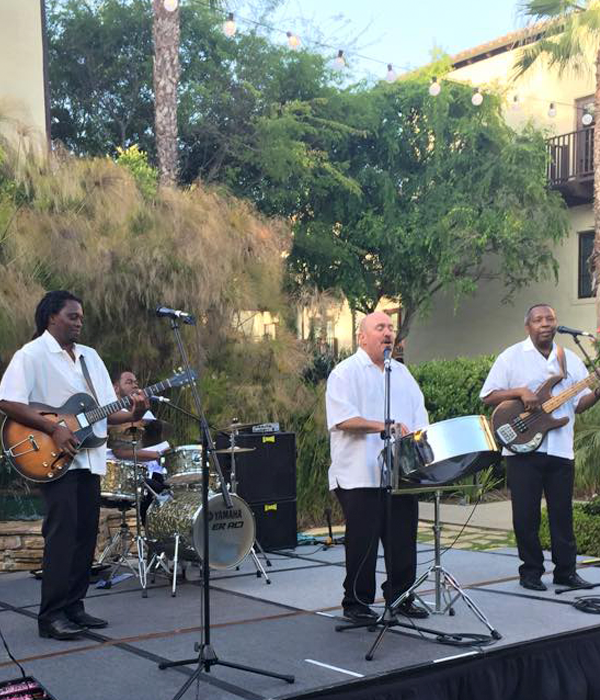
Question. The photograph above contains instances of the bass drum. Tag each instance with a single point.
(444, 452)
(232, 531)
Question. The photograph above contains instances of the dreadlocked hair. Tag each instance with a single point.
(51, 303)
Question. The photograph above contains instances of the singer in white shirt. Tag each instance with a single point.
(355, 415)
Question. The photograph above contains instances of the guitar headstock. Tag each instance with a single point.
(183, 378)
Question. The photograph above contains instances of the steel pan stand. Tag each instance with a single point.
(447, 588)
(260, 570)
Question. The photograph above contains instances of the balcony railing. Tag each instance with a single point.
(571, 163)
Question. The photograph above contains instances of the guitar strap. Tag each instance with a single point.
(562, 360)
(87, 378)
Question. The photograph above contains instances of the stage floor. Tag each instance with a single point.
(287, 627)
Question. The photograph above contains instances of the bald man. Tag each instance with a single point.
(355, 419)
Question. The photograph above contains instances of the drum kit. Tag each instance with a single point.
(173, 529)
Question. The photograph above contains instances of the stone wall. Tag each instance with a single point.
(22, 544)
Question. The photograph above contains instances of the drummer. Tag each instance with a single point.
(355, 412)
(152, 447)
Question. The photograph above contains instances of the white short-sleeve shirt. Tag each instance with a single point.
(356, 388)
(42, 372)
(522, 365)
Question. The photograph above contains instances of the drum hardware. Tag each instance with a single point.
(234, 450)
(206, 656)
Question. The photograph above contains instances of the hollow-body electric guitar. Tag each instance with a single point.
(522, 431)
(33, 453)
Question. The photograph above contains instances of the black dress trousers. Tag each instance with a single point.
(365, 514)
(529, 477)
(70, 530)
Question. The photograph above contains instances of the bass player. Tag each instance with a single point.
(517, 373)
(49, 370)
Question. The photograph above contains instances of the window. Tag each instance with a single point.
(584, 278)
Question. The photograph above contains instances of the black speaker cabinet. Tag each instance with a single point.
(268, 473)
(276, 524)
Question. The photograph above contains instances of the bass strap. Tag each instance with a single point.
(562, 360)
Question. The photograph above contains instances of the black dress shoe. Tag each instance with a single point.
(82, 619)
(532, 583)
(360, 614)
(409, 608)
(60, 628)
(573, 580)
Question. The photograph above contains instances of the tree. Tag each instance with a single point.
(446, 195)
(165, 32)
(569, 35)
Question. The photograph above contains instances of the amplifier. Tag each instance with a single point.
(276, 524)
(268, 472)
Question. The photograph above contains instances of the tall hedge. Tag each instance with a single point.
(451, 387)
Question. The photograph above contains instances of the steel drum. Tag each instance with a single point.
(444, 452)
(231, 530)
(184, 464)
(118, 484)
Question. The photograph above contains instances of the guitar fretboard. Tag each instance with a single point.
(555, 401)
(101, 412)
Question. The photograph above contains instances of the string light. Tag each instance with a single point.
(293, 40)
(552, 110)
(339, 62)
(477, 97)
(170, 5)
(391, 76)
(229, 27)
(435, 88)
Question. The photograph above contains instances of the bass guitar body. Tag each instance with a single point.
(522, 431)
(33, 453)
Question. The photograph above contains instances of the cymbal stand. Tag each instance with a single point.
(260, 570)
(206, 656)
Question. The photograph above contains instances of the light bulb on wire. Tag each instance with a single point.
(477, 98)
(293, 40)
(170, 5)
(435, 88)
(552, 110)
(515, 105)
(391, 76)
(339, 62)
(229, 27)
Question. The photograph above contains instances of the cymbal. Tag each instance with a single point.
(235, 426)
(234, 450)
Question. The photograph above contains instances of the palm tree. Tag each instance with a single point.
(166, 78)
(569, 31)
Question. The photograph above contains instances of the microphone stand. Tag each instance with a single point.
(207, 657)
(587, 357)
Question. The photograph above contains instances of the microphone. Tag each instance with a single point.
(176, 314)
(160, 399)
(387, 357)
(572, 331)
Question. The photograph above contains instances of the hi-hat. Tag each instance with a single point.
(233, 450)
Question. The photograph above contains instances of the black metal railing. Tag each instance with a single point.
(571, 158)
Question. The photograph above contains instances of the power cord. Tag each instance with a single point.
(588, 604)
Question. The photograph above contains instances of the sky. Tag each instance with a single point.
(400, 32)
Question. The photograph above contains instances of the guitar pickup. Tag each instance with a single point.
(506, 434)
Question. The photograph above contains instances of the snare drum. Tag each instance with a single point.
(231, 530)
(118, 484)
(184, 464)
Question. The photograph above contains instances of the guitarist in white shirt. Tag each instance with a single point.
(516, 374)
(49, 370)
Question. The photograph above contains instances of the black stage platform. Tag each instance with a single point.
(548, 648)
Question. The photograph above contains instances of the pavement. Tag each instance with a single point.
(464, 526)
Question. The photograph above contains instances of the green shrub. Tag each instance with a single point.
(451, 387)
(586, 525)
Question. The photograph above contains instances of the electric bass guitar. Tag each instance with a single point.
(522, 431)
(33, 453)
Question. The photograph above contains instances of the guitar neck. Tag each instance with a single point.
(101, 412)
(555, 401)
